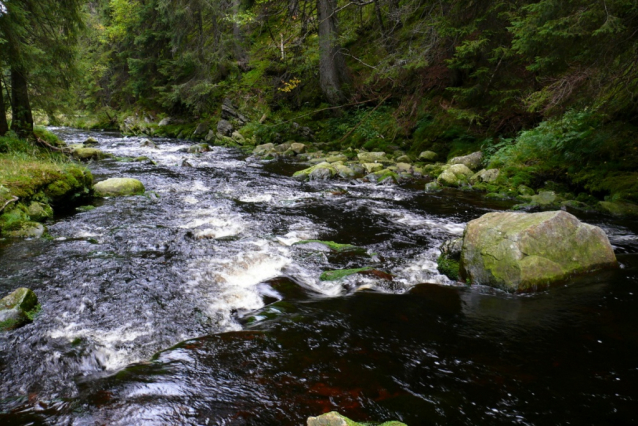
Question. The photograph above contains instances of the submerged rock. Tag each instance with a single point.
(522, 252)
(147, 143)
(338, 274)
(198, 148)
(335, 419)
(18, 308)
(331, 246)
(115, 187)
(471, 161)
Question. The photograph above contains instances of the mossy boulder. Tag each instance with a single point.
(373, 167)
(522, 252)
(263, 149)
(386, 176)
(91, 142)
(455, 175)
(373, 157)
(321, 171)
(336, 158)
(619, 208)
(298, 148)
(428, 156)
(17, 308)
(115, 187)
(432, 187)
(485, 176)
(39, 212)
(26, 230)
(344, 171)
(471, 161)
(335, 419)
(86, 154)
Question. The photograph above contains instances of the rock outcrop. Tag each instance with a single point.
(521, 252)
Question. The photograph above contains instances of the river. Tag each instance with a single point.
(192, 305)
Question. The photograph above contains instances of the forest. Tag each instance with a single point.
(318, 212)
(548, 89)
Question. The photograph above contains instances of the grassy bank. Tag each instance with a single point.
(35, 181)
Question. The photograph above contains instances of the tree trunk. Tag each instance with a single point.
(4, 126)
(334, 76)
(22, 122)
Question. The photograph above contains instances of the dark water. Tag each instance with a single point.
(191, 305)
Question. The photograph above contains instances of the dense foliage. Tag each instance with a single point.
(546, 85)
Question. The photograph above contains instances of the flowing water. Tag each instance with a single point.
(193, 305)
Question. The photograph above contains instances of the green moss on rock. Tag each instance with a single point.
(335, 247)
(522, 252)
(115, 187)
(448, 267)
(341, 273)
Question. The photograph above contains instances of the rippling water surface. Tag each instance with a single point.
(193, 305)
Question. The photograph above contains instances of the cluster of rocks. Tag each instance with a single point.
(377, 167)
(523, 252)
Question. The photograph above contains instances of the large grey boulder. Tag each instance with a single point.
(115, 187)
(17, 308)
(225, 128)
(522, 252)
(471, 161)
(229, 112)
(201, 130)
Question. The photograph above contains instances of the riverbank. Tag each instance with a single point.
(543, 168)
(34, 182)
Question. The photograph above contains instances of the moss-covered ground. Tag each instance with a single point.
(30, 173)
